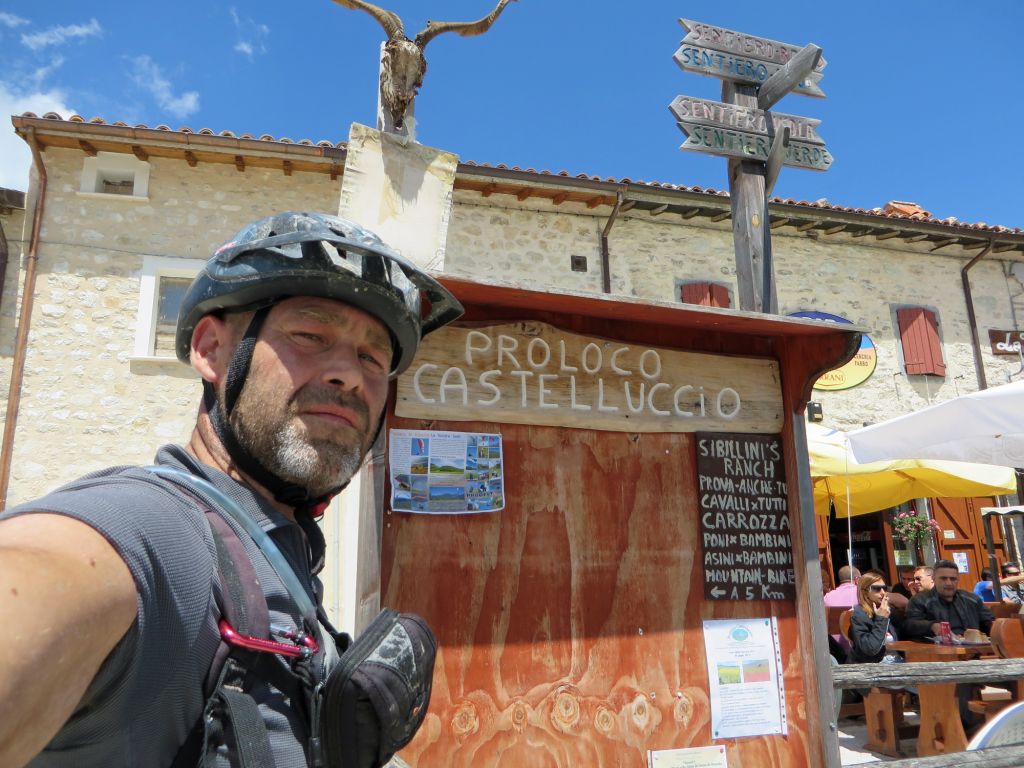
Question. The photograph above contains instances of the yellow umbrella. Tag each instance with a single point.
(857, 489)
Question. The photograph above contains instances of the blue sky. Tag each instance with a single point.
(923, 98)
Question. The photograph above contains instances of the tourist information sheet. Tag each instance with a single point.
(445, 472)
(745, 676)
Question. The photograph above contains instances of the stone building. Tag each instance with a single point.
(129, 214)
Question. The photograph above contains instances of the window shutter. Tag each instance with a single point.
(705, 294)
(919, 335)
(719, 296)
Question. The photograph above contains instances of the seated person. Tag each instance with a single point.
(843, 596)
(845, 593)
(945, 602)
(983, 588)
(906, 585)
(871, 624)
(923, 580)
(1010, 583)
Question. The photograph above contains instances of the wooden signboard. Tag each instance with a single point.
(740, 69)
(534, 373)
(747, 119)
(742, 58)
(744, 517)
(745, 132)
(569, 624)
(1006, 342)
(740, 43)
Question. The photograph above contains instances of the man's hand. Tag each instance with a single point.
(66, 599)
(936, 629)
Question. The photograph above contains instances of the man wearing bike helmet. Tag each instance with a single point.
(112, 588)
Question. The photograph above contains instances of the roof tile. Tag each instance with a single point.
(894, 209)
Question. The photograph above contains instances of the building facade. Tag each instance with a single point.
(128, 214)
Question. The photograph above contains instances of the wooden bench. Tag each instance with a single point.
(929, 673)
(1007, 635)
(882, 709)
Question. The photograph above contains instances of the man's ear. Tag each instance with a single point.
(211, 348)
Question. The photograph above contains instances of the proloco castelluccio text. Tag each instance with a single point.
(542, 375)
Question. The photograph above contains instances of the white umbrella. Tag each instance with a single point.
(985, 427)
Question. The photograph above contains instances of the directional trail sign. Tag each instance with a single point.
(729, 55)
(725, 40)
(745, 132)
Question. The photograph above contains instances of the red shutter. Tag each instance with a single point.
(705, 294)
(919, 335)
(719, 296)
(695, 293)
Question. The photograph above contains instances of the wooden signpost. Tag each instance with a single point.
(756, 72)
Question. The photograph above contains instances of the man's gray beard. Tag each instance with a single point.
(319, 466)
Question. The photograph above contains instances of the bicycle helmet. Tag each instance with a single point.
(314, 254)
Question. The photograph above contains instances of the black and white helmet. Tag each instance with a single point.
(315, 254)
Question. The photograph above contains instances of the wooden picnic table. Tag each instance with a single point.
(942, 730)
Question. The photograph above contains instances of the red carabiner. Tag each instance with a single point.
(233, 637)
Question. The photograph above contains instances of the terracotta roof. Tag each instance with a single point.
(893, 210)
(186, 129)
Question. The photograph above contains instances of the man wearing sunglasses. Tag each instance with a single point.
(923, 579)
(111, 588)
(1011, 583)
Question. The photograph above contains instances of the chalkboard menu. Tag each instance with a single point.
(744, 517)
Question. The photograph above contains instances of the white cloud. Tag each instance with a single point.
(147, 75)
(35, 80)
(15, 156)
(251, 35)
(60, 35)
(10, 20)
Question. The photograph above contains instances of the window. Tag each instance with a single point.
(919, 337)
(704, 294)
(162, 287)
(110, 173)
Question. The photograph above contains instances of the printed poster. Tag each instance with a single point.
(745, 676)
(447, 473)
(691, 757)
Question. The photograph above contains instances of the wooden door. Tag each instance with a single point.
(569, 623)
(962, 532)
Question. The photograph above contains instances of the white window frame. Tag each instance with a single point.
(154, 268)
(112, 166)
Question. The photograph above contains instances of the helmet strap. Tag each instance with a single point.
(285, 492)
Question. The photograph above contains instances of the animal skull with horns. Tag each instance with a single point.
(403, 64)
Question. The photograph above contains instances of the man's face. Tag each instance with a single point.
(922, 581)
(315, 392)
(946, 580)
(907, 577)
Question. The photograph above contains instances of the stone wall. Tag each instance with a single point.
(86, 403)
(861, 279)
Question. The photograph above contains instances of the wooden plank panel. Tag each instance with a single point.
(569, 623)
(535, 373)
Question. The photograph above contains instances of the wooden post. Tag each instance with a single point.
(746, 194)
(815, 607)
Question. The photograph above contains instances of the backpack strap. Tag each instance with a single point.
(230, 713)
